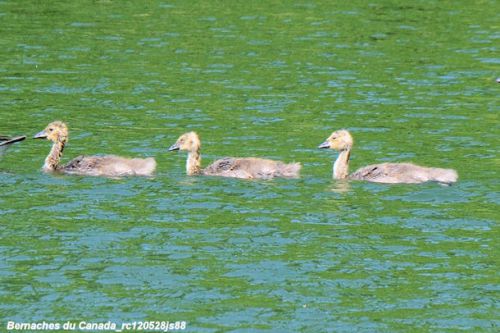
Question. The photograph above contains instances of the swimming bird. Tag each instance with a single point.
(6, 142)
(248, 167)
(390, 173)
(107, 166)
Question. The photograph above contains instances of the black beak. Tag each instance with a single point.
(40, 135)
(173, 147)
(7, 141)
(325, 144)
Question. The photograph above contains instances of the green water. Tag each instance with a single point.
(413, 81)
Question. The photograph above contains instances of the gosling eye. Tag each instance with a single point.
(51, 129)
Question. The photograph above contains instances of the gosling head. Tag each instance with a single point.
(339, 140)
(56, 131)
(187, 141)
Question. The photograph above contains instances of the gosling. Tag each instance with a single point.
(390, 173)
(246, 168)
(106, 166)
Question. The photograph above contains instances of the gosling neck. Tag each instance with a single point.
(341, 165)
(52, 160)
(193, 163)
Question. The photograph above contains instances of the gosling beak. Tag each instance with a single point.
(40, 135)
(325, 144)
(12, 140)
(173, 147)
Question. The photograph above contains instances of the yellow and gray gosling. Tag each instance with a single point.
(247, 168)
(106, 166)
(391, 173)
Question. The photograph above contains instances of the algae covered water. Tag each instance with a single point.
(411, 81)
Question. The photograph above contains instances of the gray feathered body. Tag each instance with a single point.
(408, 173)
(109, 166)
(252, 167)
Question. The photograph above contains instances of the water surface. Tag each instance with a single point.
(413, 82)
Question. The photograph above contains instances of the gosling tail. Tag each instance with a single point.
(291, 170)
(145, 167)
(444, 176)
